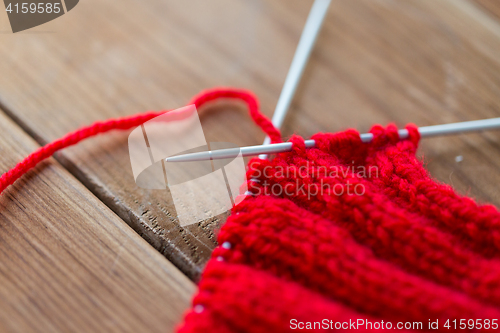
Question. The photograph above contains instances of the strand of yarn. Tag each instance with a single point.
(129, 122)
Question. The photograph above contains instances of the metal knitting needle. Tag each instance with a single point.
(425, 132)
(304, 48)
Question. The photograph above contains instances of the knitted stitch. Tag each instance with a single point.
(406, 249)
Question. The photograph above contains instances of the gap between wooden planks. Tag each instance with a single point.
(427, 62)
(69, 264)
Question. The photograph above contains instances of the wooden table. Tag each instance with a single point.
(74, 232)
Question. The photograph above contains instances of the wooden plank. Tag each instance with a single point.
(417, 61)
(154, 56)
(490, 5)
(69, 264)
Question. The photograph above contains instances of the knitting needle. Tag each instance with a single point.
(304, 48)
(425, 132)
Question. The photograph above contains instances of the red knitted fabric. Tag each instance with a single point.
(403, 248)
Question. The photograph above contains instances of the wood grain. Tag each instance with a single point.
(491, 6)
(69, 264)
(421, 61)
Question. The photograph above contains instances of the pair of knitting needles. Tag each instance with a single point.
(299, 62)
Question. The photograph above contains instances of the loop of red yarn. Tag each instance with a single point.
(129, 122)
(253, 107)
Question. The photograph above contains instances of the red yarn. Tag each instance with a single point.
(406, 250)
(129, 122)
